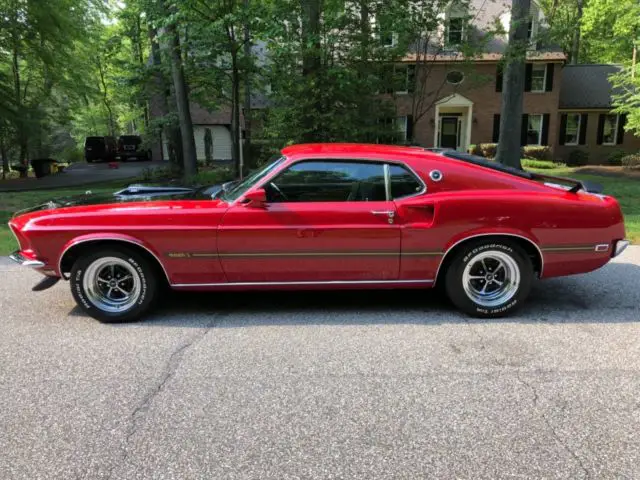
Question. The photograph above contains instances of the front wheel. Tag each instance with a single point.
(114, 285)
(489, 278)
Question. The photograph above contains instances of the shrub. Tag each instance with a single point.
(210, 177)
(488, 150)
(615, 158)
(631, 161)
(578, 158)
(474, 150)
(536, 152)
(540, 164)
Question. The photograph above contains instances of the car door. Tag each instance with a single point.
(324, 221)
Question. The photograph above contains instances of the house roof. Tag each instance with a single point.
(587, 86)
(548, 56)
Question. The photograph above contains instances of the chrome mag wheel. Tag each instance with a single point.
(112, 284)
(491, 278)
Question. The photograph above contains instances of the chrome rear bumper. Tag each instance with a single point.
(619, 247)
(24, 261)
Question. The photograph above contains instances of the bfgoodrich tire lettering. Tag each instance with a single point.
(488, 278)
(114, 285)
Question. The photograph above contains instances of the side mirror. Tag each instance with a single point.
(256, 198)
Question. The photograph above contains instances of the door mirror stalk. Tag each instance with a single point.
(256, 199)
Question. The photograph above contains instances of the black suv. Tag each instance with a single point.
(130, 147)
(98, 149)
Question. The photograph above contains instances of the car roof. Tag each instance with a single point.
(351, 149)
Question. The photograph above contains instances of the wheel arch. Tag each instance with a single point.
(73, 249)
(526, 243)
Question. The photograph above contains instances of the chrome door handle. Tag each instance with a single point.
(388, 213)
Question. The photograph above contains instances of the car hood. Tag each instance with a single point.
(133, 193)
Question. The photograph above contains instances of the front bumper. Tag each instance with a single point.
(619, 247)
(20, 259)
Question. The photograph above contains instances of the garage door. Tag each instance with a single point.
(221, 143)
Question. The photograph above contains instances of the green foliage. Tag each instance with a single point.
(540, 164)
(536, 152)
(631, 161)
(474, 150)
(488, 150)
(615, 157)
(578, 158)
(211, 176)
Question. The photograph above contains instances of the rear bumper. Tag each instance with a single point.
(20, 259)
(619, 247)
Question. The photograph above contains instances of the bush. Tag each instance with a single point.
(474, 150)
(578, 158)
(536, 152)
(488, 150)
(540, 164)
(210, 177)
(631, 161)
(615, 158)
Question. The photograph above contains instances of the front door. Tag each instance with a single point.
(449, 132)
(324, 221)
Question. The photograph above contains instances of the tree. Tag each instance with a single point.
(508, 151)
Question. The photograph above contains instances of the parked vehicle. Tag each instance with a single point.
(328, 217)
(100, 149)
(130, 148)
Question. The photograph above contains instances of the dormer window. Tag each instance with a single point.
(455, 31)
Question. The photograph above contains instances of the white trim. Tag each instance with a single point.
(577, 142)
(544, 78)
(108, 239)
(615, 131)
(285, 284)
(491, 235)
(454, 100)
(541, 115)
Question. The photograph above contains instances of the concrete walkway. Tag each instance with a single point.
(81, 174)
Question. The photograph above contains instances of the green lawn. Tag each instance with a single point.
(11, 202)
(625, 189)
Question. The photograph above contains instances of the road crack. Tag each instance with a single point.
(138, 415)
(535, 401)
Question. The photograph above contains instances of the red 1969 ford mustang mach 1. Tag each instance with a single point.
(328, 216)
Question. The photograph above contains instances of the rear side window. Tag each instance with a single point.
(329, 181)
(403, 182)
(94, 141)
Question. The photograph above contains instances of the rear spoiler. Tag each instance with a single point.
(574, 185)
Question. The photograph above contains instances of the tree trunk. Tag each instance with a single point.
(235, 111)
(508, 151)
(5, 158)
(21, 113)
(311, 61)
(575, 46)
(105, 98)
(182, 103)
(247, 90)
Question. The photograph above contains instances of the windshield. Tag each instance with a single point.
(238, 190)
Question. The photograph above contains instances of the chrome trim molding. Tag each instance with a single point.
(387, 182)
(110, 239)
(25, 262)
(444, 256)
(602, 247)
(327, 282)
(620, 246)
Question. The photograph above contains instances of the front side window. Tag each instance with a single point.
(572, 129)
(329, 181)
(610, 129)
(403, 182)
(538, 77)
(237, 190)
(534, 130)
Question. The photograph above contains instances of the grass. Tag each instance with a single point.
(625, 189)
(10, 202)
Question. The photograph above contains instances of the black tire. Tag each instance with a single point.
(514, 260)
(145, 285)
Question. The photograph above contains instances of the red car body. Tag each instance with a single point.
(209, 244)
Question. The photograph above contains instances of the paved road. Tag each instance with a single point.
(353, 385)
(82, 174)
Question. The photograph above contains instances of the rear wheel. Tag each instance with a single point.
(114, 285)
(489, 278)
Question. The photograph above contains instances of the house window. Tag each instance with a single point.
(534, 130)
(402, 79)
(400, 127)
(393, 130)
(455, 31)
(610, 130)
(455, 77)
(538, 77)
(572, 129)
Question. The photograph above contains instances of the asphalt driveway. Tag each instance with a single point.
(345, 385)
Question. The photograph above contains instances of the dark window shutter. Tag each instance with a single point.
(563, 129)
(499, 78)
(544, 140)
(622, 121)
(496, 128)
(409, 128)
(549, 80)
(411, 78)
(527, 77)
(600, 129)
(582, 139)
(525, 127)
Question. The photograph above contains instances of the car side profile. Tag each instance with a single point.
(327, 216)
